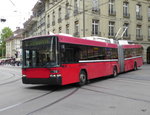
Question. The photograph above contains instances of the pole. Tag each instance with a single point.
(83, 18)
(117, 33)
(2, 52)
(124, 31)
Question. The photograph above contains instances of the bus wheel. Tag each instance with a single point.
(115, 72)
(82, 78)
(135, 66)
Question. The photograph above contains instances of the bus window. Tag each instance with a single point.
(69, 53)
(28, 58)
(40, 53)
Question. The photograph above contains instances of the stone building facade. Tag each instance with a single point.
(13, 45)
(118, 19)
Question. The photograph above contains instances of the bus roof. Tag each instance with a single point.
(81, 41)
(75, 40)
(132, 46)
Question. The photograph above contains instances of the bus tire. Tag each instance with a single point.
(115, 72)
(82, 78)
(135, 66)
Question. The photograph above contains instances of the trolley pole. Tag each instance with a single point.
(83, 18)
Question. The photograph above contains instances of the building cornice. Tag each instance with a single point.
(56, 4)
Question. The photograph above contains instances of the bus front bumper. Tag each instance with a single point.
(49, 81)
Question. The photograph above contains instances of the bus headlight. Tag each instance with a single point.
(24, 75)
(55, 75)
(58, 75)
(52, 75)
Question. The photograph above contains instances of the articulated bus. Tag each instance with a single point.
(62, 60)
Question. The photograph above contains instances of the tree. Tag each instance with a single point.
(5, 34)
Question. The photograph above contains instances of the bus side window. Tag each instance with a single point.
(62, 53)
(69, 53)
(83, 53)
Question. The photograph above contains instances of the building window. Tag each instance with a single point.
(59, 12)
(53, 15)
(126, 30)
(60, 29)
(54, 31)
(76, 7)
(67, 29)
(149, 13)
(59, 15)
(76, 4)
(111, 28)
(67, 9)
(138, 11)
(112, 7)
(48, 3)
(149, 32)
(53, 22)
(139, 32)
(95, 27)
(76, 28)
(125, 9)
(48, 21)
(95, 7)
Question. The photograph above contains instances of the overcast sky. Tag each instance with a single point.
(15, 12)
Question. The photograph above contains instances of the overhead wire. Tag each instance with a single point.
(12, 3)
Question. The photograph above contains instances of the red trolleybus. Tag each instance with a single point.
(130, 56)
(62, 60)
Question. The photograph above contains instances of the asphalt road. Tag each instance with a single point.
(127, 94)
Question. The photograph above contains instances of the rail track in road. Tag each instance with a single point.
(12, 80)
(112, 94)
(4, 78)
(38, 97)
(54, 102)
(135, 81)
(13, 77)
(120, 92)
(139, 79)
(29, 100)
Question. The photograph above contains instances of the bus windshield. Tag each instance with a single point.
(40, 52)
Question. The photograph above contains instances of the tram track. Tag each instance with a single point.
(138, 79)
(112, 94)
(54, 102)
(6, 83)
(27, 101)
(135, 81)
(37, 98)
(10, 78)
(7, 78)
(34, 99)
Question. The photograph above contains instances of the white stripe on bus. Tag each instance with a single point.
(133, 57)
(111, 60)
